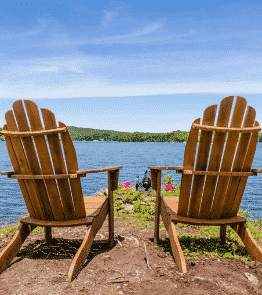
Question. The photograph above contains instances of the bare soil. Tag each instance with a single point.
(133, 266)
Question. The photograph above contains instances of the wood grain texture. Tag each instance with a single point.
(215, 157)
(72, 167)
(252, 247)
(23, 187)
(9, 253)
(19, 158)
(32, 133)
(226, 129)
(85, 247)
(32, 159)
(239, 162)
(201, 162)
(45, 160)
(175, 245)
(59, 165)
(188, 164)
(228, 157)
(158, 207)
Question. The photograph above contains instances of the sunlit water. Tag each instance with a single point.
(134, 157)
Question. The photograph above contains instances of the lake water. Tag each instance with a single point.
(134, 157)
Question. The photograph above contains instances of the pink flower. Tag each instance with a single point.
(169, 186)
(127, 184)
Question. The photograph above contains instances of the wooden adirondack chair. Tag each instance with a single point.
(212, 186)
(53, 198)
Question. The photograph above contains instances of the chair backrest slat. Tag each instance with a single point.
(59, 164)
(215, 156)
(26, 189)
(188, 163)
(72, 167)
(214, 197)
(239, 162)
(247, 166)
(44, 158)
(228, 157)
(201, 161)
(24, 167)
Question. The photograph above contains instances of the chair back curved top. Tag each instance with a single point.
(217, 162)
(46, 173)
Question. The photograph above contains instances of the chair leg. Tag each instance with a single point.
(85, 247)
(111, 219)
(48, 235)
(223, 232)
(175, 245)
(252, 247)
(8, 254)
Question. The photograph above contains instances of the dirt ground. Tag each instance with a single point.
(133, 266)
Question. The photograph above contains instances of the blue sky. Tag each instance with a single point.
(144, 66)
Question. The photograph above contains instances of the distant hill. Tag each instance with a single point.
(89, 134)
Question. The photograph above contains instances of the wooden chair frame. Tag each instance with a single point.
(50, 205)
(211, 192)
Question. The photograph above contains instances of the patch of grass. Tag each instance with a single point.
(8, 231)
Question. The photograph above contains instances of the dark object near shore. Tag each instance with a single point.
(147, 181)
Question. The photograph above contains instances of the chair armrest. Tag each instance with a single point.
(8, 173)
(110, 168)
(113, 174)
(155, 169)
(256, 170)
(178, 169)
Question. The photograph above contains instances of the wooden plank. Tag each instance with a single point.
(110, 178)
(9, 253)
(72, 167)
(32, 133)
(59, 164)
(166, 168)
(158, 207)
(19, 161)
(247, 166)
(215, 157)
(110, 168)
(201, 162)
(225, 129)
(45, 161)
(175, 245)
(252, 247)
(85, 247)
(22, 185)
(239, 162)
(208, 222)
(56, 223)
(217, 173)
(223, 233)
(46, 177)
(189, 161)
(32, 160)
(228, 156)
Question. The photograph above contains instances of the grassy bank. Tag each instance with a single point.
(138, 209)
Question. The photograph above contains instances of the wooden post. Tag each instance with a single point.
(48, 235)
(158, 204)
(223, 232)
(112, 185)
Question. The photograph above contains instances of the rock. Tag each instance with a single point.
(101, 192)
